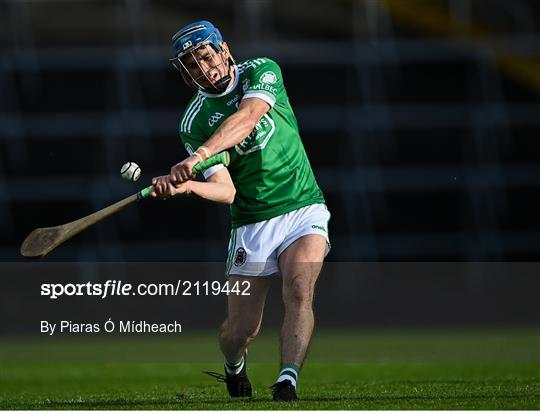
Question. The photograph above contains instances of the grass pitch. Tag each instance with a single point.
(345, 370)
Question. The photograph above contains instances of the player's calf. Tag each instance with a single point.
(235, 337)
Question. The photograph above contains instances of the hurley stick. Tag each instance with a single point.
(43, 240)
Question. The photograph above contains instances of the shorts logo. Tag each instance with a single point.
(318, 227)
(189, 148)
(215, 118)
(240, 257)
(268, 77)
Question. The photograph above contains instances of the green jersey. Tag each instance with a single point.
(269, 168)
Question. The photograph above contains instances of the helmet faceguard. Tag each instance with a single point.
(190, 39)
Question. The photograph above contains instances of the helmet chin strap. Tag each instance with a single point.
(221, 86)
(223, 83)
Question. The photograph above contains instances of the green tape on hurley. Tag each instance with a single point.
(221, 158)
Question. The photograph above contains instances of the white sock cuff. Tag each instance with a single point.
(282, 378)
(235, 370)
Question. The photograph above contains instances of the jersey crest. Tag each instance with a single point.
(258, 138)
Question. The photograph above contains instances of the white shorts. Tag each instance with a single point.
(254, 249)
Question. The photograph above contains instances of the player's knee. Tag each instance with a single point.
(298, 290)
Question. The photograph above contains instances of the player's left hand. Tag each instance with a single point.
(182, 171)
(162, 187)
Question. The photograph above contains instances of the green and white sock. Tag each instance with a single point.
(234, 368)
(290, 372)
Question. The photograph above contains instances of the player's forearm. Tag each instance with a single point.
(212, 191)
(231, 132)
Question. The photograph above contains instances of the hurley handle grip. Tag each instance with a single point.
(221, 158)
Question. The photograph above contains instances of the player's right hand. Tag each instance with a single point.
(182, 171)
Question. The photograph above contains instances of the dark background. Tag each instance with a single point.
(420, 119)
